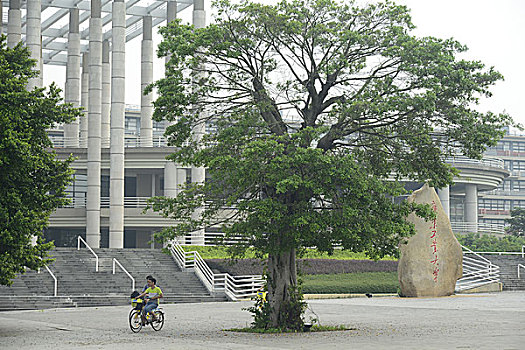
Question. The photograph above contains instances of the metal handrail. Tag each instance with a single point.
(522, 266)
(235, 287)
(523, 251)
(478, 271)
(54, 278)
(126, 271)
(498, 253)
(88, 247)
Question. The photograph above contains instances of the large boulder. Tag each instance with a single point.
(432, 260)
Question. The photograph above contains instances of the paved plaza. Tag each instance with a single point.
(483, 321)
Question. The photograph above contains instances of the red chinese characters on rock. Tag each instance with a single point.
(433, 246)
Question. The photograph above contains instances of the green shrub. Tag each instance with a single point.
(220, 252)
(366, 282)
(486, 243)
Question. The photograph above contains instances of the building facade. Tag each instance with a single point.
(121, 153)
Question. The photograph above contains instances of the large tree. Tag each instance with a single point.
(32, 181)
(516, 222)
(316, 111)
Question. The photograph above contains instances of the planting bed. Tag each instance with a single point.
(306, 266)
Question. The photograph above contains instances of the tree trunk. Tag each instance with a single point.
(282, 276)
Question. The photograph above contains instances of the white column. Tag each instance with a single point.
(198, 173)
(106, 94)
(94, 118)
(84, 100)
(72, 89)
(181, 179)
(118, 86)
(471, 205)
(444, 197)
(34, 39)
(170, 179)
(1, 19)
(14, 23)
(146, 78)
(170, 169)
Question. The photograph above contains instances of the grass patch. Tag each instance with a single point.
(314, 328)
(219, 252)
(364, 282)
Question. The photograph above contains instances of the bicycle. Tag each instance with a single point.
(135, 317)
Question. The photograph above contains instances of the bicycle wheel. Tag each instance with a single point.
(159, 323)
(135, 322)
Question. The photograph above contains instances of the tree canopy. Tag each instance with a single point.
(516, 222)
(32, 181)
(316, 113)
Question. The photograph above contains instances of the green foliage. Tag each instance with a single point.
(221, 252)
(516, 222)
(260, 311)
(365, 282)
(290, 312)
(486, 243)
(32, 181)
(314, 105)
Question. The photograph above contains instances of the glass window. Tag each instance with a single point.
(132, 125)
(518, 146)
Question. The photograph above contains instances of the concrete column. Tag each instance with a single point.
(181, 179)
(94, 132)
(146, 78)
(84, 100)
(106, 94)
(1, 19)
(444, 197)
(118, 87)
(72, 89)
(170, 169)
(471, 205)
(198, 173)
(170, 180)
(34, 39)
(14, 23)
(171, 11)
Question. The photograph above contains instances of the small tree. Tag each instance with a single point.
(32, 181)
(316, 111)
(516, 222)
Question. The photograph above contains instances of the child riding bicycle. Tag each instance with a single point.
(153, 294)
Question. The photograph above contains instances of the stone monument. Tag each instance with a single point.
(432, 260)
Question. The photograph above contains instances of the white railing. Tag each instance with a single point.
(235, 287)
(115, 261)
(129, 202)
(54, 279)
(505, 193)
(523, 251)
(80, 239)
(468, 227)
(477, 271)
(76, 202)
(63, 142)
(522, 266)
(486, 161)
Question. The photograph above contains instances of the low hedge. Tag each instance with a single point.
(220, 252)
(366, 282)
(305, 266)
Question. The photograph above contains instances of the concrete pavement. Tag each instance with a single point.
(483, 321)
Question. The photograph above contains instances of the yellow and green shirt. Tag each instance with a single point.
(153, 292)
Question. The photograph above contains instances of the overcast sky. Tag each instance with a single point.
(494, 32)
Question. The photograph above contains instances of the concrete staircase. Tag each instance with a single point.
(80, 285)
(509, 270)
